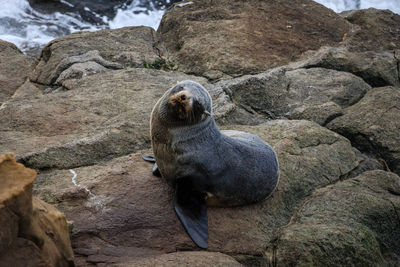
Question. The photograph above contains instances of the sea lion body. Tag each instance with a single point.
(203, 164)
(234, 167)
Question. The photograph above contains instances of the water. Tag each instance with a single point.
(342, 5)
(30, 29)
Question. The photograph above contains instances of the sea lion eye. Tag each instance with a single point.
(183, 97)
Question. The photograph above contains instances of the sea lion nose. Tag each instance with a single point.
(183, 97)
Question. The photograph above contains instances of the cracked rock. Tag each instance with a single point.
(108, 48)
(351, 223)
(373, 124)
(315, 94)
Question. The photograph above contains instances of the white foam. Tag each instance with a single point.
(134, 15)
(27, 28)
(14, 9)
(66, 3)
(184, 4)
(341, 5)
(393, 5)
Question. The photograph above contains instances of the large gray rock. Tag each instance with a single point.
(314, 94)
(377, 30)
(371, 50)
(86, 53)
(377, 68)
(373, 125)
(118, 207)
(351, 223)
(15, 67)
(241, 37)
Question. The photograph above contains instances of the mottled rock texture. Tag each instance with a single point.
(241, 37)
(14, 69)
(373, 125)
(351, 223)
(196, 259)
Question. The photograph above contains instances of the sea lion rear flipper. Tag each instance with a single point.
(155, 170)
(149, 158)
(191, 209)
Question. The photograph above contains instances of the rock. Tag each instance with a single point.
(351, 223)
(315, 94)
(379, 30)
(120, 204)
(14, 69)
(196, 259)
(371, 50)
(236, 37)
(377, 68)
(225, 112)
(101, 50)
(25, 91)
(75, 67)
(32, 232)
(366, 163)
(373, 124)
(319, 95)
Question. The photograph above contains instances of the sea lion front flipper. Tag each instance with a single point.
(154, 170)
(190, 207)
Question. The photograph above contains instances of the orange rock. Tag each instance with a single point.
(32, 232)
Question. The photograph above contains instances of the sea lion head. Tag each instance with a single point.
(187, 102)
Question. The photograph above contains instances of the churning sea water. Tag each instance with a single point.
(30, 29)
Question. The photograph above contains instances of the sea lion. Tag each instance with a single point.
(203, 164)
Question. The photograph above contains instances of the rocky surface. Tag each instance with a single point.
(82, 120)
(14, 69)
(126, 206)
(32, 232)
(373, 125)
(352, 223)
(196, 259)
(371, 50)
(237, 37)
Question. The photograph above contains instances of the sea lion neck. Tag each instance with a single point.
(207, 128)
